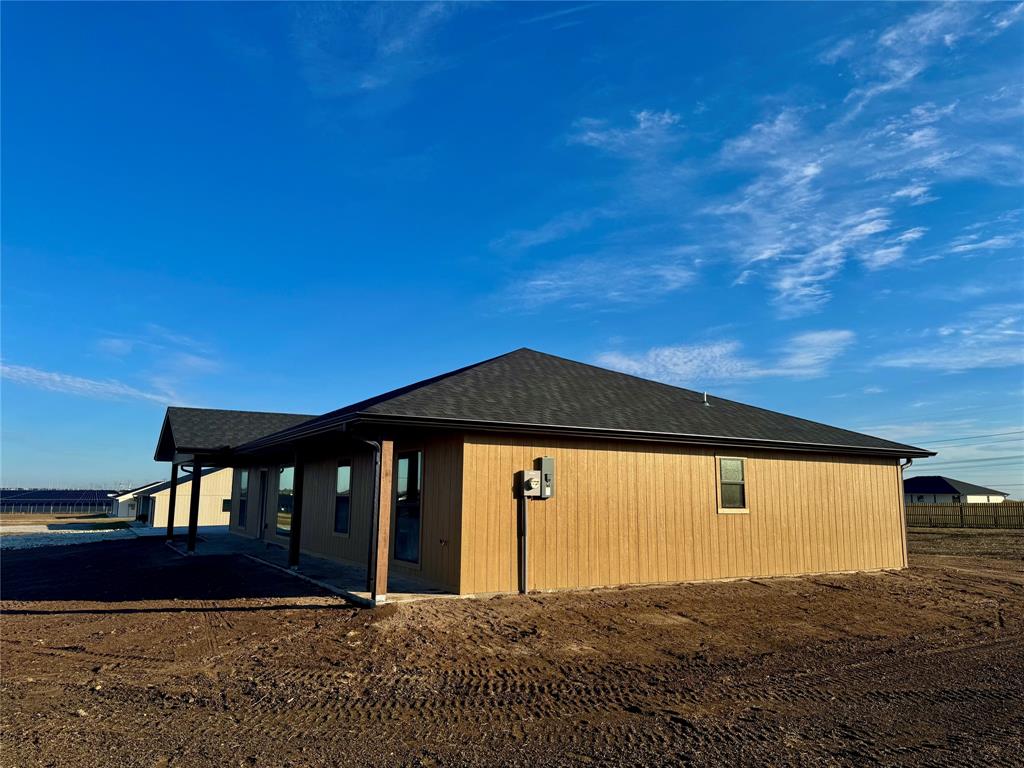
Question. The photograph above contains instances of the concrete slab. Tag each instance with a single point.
(343, 579)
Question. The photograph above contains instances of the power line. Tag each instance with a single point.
(974, 437)
(916, 417)
(986, 458)
(978, 445)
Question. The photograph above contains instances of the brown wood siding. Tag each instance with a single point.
(318, 536)
(627, 513)
(440, 511)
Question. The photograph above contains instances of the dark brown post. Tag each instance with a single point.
(382, 525)
(295, 535)
(171, 501)
(193, 506)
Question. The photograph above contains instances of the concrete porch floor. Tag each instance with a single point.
(343, 579)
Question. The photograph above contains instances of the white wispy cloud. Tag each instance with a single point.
(103, 389)
(916, 194)
(347, 49)
(826, 187)
(904, 51)
(649, 131)
(609, 279)
(560, 13)
(805, 355)
(992, 243)
(166, 359)
(912, 234)
(557, 228)
(989, 337)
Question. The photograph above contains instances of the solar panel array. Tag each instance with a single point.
(54, 496)
(54, 502)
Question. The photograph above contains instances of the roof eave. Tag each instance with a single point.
(897, 451)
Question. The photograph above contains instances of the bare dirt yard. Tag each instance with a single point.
(121, 653)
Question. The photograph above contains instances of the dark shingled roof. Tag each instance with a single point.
(531, 391)
(209, 430)
(940, 484)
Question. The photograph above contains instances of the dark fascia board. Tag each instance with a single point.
(909, 452)
(160, 441)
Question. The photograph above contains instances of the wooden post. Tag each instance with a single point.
(295, 534)
(382, 525)
(171, 501)
(193, 506)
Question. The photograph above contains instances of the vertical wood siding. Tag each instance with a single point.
(439, 513)
(627, 513)
(318, 536)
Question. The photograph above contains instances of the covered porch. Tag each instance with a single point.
(334, 505)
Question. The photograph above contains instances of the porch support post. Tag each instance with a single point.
(382, 524)
(295, 535)
(171, 501)
(193, 505)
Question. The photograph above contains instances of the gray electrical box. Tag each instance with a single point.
(546, 465)
(530, 483)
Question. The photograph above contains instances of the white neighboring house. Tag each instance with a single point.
(150, 503)
(127, 503)
(936, 489)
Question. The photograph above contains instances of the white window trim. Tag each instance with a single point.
(718, 487)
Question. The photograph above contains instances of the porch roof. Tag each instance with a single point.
(204, 431)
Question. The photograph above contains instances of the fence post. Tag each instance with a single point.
(961, 514)
(995, 515)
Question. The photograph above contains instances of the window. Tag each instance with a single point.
(343, 497)
(407, 506)
(732, 484)
(285, 500)
(243, 498)
(225, 505)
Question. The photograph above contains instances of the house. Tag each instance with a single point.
(131, 504)
(529, 471)
(150, 503)
(214, 498)
(936, 489)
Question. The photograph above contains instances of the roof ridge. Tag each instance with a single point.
(237, 410)
(399, 391)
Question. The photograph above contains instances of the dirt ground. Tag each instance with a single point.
(12, 520)
(122, 653)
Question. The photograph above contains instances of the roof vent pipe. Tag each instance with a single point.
(706, 399)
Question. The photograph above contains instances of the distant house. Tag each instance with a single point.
(936, 489)
(149, 503)
(128, 504)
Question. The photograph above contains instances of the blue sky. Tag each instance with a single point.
(812, 208)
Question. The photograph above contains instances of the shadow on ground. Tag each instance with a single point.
(137, 571)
